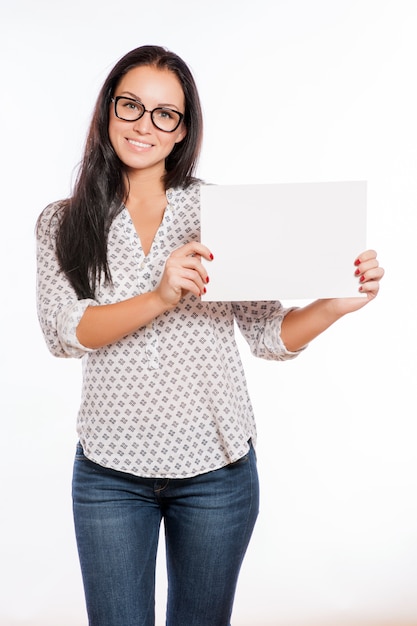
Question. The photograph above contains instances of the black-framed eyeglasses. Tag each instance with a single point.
(130, 110)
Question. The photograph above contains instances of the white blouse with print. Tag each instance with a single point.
(169, 400)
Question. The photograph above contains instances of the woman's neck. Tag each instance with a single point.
(142, 186)
(145, 192)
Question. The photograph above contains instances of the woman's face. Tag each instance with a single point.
(140, 145)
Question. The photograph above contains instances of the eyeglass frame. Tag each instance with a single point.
(117, 98)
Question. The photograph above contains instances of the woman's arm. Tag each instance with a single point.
(302, 325)
(107, 323)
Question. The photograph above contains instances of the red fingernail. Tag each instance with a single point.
(205, 290)
(357, 272)
(362, 278)
(207, 279)
(357, 262)
(211, 257)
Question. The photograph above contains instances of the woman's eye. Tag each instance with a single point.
(165, 114)
(131, 106)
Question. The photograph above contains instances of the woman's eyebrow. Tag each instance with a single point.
(133, 95)
(161, 104)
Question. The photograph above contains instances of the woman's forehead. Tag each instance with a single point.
(153, 83)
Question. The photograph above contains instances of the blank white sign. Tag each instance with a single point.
(283, 241)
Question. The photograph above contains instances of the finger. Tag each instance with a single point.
(367, 268)
(189, 262)
(370, 288)
(187, 274)
(375, 273)
(370, 282)
(191, 287)
(366, 265)
(365, 256)
(192, 249)
(195, 277)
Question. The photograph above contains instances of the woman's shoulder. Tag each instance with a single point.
(190, 191)
(50, 217)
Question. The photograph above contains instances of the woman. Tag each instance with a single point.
(166, 428)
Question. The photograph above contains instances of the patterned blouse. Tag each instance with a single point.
(169, 400)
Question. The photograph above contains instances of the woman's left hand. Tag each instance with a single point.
(369, 274)
(302, 325)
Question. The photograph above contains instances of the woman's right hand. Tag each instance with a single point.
(184, 273)
(104, 324)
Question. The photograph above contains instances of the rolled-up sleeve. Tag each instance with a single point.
(59, 309)
(260, 324)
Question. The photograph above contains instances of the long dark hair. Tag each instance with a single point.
(100, 188)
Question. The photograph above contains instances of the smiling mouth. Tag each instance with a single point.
(139, 144)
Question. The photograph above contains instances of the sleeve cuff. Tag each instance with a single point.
(272, 337)
(67, 323)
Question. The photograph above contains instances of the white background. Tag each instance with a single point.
(330, 86)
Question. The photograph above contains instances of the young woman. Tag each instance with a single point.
(166, 427)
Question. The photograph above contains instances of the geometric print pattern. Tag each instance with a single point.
(169, 400)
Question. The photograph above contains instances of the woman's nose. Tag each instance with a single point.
(144, 123)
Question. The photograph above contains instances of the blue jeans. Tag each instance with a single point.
(208, 521)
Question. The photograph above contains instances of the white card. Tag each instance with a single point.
(283, 241)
